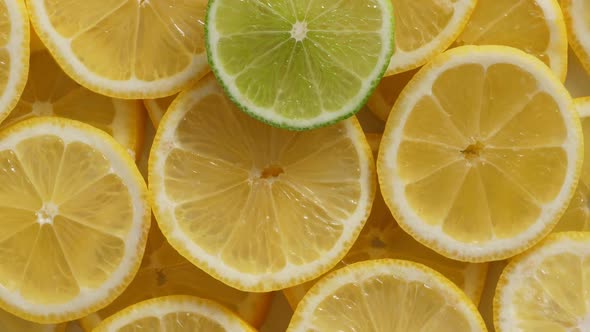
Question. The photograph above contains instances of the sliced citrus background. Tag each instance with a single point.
(164, 272)
(577, 215)
(12, 323)
(200, 162)
(14, 53)
(494, 132)
(546, 289)
(486, 303)
(299, 64)
(578, 79)
(125, 49)
(50, 92)
(64, 181)
(177, 313)
(157, 107)
(534, 26)
(383, 238)
(577, 19)
(424, 29)
(382, 100)
(385, 295)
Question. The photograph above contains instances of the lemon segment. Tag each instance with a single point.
(125, 49)
(424, 29)
(361, 297)
(299, 64)
(532, 295)
(14, 53)
(534, 26)
(174, 314)
(50, 92)
(577, 215)
(200, 162)
(577, 19)
(493, 130)
(67, 181)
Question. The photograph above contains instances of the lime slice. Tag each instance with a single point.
(299, 64)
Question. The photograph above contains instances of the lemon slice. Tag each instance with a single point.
(50, 92)
(174, 314)
(383, 238)
(164, 272)
(577, 215)
(74, 207)
(220, 181)
(125, 49)
(299, 64)
(546, 289)
(577, 19)
(385, 295)
(11, 323)
(534, 26)
(425, 28)
(14, 53)
(481, 154)
(382, 100)
(157, 107)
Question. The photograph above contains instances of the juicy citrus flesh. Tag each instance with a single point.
(534, 26)
(14, 53)
(493, 130)
(425, 28)
(299, 64)
(157, 107)
(547, 288)
(577, 215)
(50, 92)
(199, 163)
(165, 272)
(382, 238)
(125, 49)
(64, 181)
(177, 313)
(577, 18)
(385, 295)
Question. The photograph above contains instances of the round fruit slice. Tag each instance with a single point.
(482, 153)
(157, 107)
(386, 295)
(50, 92)
(577, 215)
(299, 64)
(534, 26)
(382, 238)
(14, 53)
(257, 207)
(425, 28)
(11, 323)
(174, 314)
(547, 288)
(577, 19)
(165, 272)
(125, 49)
(74, 208)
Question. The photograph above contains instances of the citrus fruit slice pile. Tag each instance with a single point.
(294, 165)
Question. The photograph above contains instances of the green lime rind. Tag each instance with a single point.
(292, 124)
